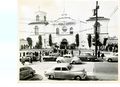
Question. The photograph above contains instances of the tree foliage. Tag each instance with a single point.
(39, 43)
(105, 41)
(89, 40)
(77, 40)
(50, 40)
(29, 40)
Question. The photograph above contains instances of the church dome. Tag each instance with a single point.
(64, 20)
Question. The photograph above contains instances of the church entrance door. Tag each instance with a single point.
(64, 44)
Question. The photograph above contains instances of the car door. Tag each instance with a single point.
(115, 57)
(57, 72)
(65, 73)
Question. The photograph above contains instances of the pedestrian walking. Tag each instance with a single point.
(98, 53)
(30, 60)
(102, 55)
(93, 52)
(40, 56)
(79, 52)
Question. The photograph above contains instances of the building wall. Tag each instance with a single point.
(103, 26)
(23, 42)
(78, 28)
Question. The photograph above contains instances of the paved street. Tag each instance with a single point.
(95, 70)
(106, 70)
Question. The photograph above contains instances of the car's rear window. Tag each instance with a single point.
(64, 69)
(67, 56)
(25, 68)
(57, 69)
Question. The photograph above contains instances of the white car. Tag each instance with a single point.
(68, 59)
(112, 58)
(76, 60)
(65, 71)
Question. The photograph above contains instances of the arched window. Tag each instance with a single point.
(64, 28)
(44, 18)
(23, 53)
(36, 30)
(71, 30)
(57, 30)
(37, 17)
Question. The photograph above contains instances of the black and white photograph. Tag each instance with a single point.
(68, 40)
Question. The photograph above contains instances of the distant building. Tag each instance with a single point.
(63, 30)
(112, 40)
(102, 27)
(23, 43)
(38, 27)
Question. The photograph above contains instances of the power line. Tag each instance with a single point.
(114, 11)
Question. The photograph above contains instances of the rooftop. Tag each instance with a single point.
(39, 22)
(99, 18)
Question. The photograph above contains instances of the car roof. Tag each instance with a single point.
(75, 57)
(67, 55)
(25, 67)
(61, 65)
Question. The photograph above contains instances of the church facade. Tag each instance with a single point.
(64, 29)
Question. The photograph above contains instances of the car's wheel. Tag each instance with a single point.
(88, 59)
(32, 74)
(109, 60)
(20, 60)
(73, 62)
(58, 61)
(78, 78)
(43, 59)
(51, 77)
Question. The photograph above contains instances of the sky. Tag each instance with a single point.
(76, 9)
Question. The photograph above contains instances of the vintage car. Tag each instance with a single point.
(65, 71)
(25, 59)
(49, 58)
(26, 72)
(87, 56)
(68, 59)
(76, 60)
(112, 58)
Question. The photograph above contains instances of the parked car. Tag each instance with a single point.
(49, 58)
(26, 72)
(76, 60)
(65, 59)
(65, 71)
(87, 56)
(112, 58)
(68, 59)
(83, 56)
(26, 59)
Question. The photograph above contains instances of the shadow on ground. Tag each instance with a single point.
(89, 78)
(36, 77)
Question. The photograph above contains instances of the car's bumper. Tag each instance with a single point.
(46, 75)
(84, 76)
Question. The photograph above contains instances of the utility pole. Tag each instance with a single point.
(96, 26)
